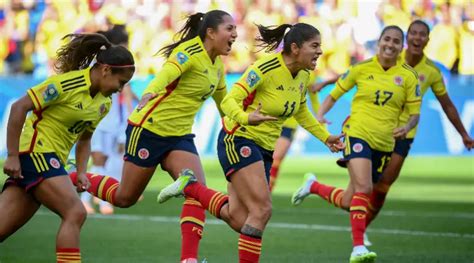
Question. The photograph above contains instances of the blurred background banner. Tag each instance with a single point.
(31, 32)
(436, 135)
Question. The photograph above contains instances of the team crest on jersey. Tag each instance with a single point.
(54, 163)
(50, 93)
(102, 110)
(418, 90)
(245, 151)
(358, 147)
(422, 77)
(181, 58)
(143, 153)
(398, 80)
(252, 78)
(345, 75)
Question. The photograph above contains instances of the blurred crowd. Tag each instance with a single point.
(31, 30)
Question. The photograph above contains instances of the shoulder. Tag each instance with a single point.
(407, 69)
(267, 64)
(363, 63)
(430, 64)
(188, 48)
(71, 81)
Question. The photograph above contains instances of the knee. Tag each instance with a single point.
(124, 202)
(76, 214)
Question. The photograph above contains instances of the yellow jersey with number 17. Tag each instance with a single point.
(429, 76)
(186, 80)
(379, 100)
(270, 83)
(63, 109)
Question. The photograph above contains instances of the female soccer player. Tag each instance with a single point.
(385, 86)
(66, 109)
(429, 76)
(159, 130)
(270, 91)
(290, 126)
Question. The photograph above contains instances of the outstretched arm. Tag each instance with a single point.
(453, 116)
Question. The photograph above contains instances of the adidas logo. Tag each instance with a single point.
(79, 105)
(370, 77)
(280, 88)
(150, 120)
(205, 71)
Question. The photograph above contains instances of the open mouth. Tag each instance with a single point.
(229, 44)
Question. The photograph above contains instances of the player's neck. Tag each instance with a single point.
(210, 52)
(413, 59)
(95, 79)
(292, 65)
(386, 63)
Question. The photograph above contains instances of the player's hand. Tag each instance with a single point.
(323, 120)
(468, 142)
(12, 167)
(83, 182)
(400, 133)
(335, 144)
(255, 117)
(317, 87)
(144, 100)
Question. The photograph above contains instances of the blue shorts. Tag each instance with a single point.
(236, 153)
(402, 147)
(358, 148)
(288, 133)
(147, 149)
(36, 167)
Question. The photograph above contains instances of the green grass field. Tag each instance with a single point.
(428, 217)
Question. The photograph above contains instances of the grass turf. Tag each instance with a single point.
(428, 217)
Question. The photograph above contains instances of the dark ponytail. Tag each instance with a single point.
(271, 36)
(196, 25)
(81, 50)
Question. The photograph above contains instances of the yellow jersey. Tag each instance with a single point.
(429, 76)
(186, 80)
(314, 99)
(269, 82)
(379, 100)
(63, 109)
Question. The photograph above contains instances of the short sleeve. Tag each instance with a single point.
(413, 102)
(45, 94)
(438, 86)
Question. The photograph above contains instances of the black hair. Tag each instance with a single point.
(271, 36)
(419, 22)
(117, 35)
(81, 50)
(196, 25)
(394, 28)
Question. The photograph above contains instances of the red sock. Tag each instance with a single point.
(64, 255)
(273, 175)
(377, 199)
(329, 193)
(249, 249)
(358, 212)
(210, 200)
(102, 187)
(192, 224)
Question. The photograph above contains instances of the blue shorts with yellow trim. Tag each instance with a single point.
(402, 147)
(358, 148)
(237, 152)
(147, 149)
(288, 133)
(36, 167)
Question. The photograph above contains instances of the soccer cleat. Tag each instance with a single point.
(106, 209)
(367, 242)
(304, 190)
(342, 162)
(176, 189)
(367, 257)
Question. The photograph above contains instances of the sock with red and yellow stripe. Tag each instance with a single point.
(192, 220)
(274, 173)
(210, 200)
(102, 187)
(377, 199)
(69, 255)
(249, 249)
(358, 212)
(329, 193)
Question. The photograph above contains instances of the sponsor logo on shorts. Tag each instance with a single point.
(54, 163)
(358, 147)
(245, 151)
(143, 153)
